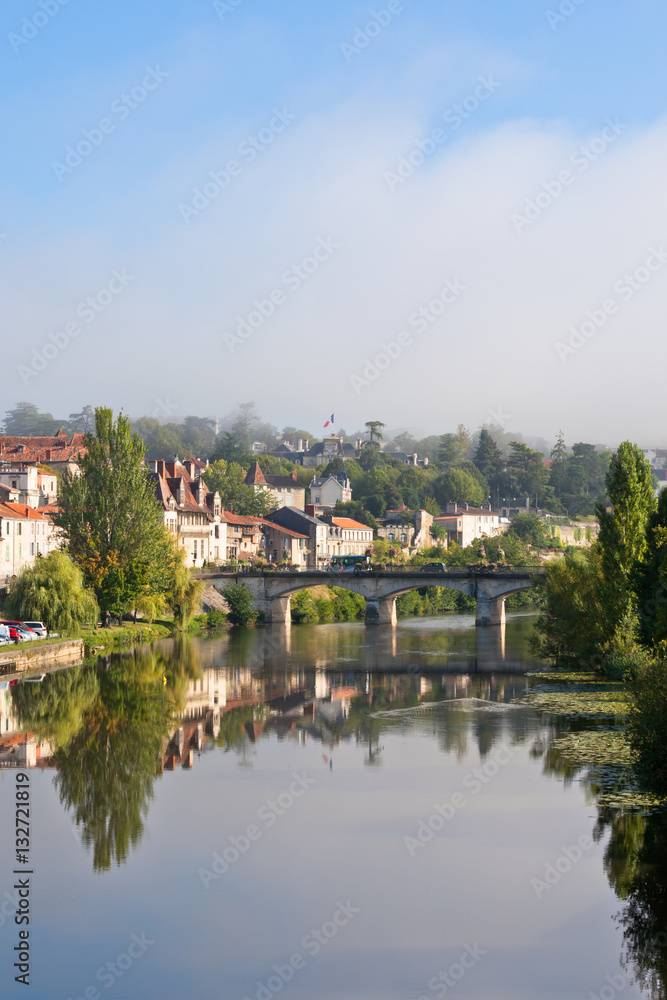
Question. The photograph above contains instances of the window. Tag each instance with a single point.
(19, 528)
(32, 548)
(217, 531)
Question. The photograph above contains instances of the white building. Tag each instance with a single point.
(328, 491)
(25, 534)
(464, 523)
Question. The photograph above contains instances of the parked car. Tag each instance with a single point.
(434, 568)
(19, 634)
(4, 634)
(26, 632)
(37, 627)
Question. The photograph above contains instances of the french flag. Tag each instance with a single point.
(329, 423)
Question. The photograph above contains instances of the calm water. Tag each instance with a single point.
(336, 812)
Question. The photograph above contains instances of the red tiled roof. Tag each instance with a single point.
(21, 512)
(240, 519)
(34, 449)
(255, 476)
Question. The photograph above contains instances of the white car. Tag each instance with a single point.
(37, 627)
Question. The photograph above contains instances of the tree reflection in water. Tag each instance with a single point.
(635, 861)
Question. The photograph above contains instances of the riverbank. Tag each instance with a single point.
(48, 652)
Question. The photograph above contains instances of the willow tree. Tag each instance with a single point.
(53, 592)
(110, 517)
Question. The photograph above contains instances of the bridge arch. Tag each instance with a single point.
(272, 592)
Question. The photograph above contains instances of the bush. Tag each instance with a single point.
(239, 601)
(647, 723)
(216, 619)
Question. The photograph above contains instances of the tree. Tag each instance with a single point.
(25, 420)
(183, 593)
(83, 422)
(374, 430)
(228, 479)
(451, 451)
(623, 533)
(459, 486)
(53, 592)
(488, 458)
(240, 604)
(110, 517)
(526, 474)
(530, 530)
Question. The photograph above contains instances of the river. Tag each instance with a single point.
(336, 812)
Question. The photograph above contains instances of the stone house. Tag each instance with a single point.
(327, 492)
(244, 536)
(464, 523)
(191, 511)
(323, 452)
(285, 491)
(282, 543)
(31, 485)
(407, 528)
(313, 528)
(346, 537)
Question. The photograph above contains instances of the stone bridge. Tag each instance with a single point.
(272, 591)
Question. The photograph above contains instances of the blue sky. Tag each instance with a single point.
(166, 339)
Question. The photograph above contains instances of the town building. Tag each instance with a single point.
(410, 529)
(326, 492)
(412, 460)
(282, 544)
(25, 534)
(60, 451)
(323, 452)
(346, 537)
(315, 529)
(284, 491)
(244, 536)
(191, 511)
(29, 484)
(464, 523)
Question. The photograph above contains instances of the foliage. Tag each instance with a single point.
(462, 486)
(648, 723)
(184, 593)
(110, 517)
(53, 592)
(55, 710)
(240, 603)
(623, 533)
(25, 420)
(355, 510)
(228, 479)
(531, 530)
(105, 774)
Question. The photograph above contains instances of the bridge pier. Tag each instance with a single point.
(381, 611)
(278, 611)
(490, 610)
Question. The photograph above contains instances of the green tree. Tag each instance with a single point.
(109, 515)
(53, 592)
(459, 485)
(451, 451)
(488, 458)
(240, 604)
(531, 530)
(623, 532)
(183, 592)
(106, 773)
(25, 420)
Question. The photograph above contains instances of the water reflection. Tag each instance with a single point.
(112, 731)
